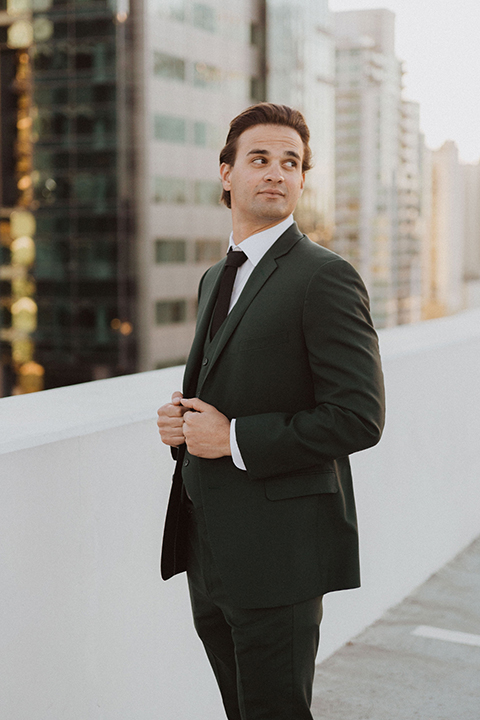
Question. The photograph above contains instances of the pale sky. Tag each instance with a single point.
(439, 40)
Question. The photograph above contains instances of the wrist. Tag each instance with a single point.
(227, 451)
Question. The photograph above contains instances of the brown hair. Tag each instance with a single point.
(264, 114)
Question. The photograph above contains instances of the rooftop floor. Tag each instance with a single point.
(404, 667)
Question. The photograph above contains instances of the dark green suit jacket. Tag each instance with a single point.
(297, 364)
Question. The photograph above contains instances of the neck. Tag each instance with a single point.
(243, 228)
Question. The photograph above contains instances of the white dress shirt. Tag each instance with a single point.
(254, 248)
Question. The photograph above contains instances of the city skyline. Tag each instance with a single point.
(438, 76)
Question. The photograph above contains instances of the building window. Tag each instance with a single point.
(168, 66)
(97, 258)
(51, 259)
(169, 129)
(256, 34)
(170, 251)
(174, 9)
(200, 133)
(257, 89)
(206, 135)
(169, 312)
(206, 76)
(207, 192)
(209, 251)
(204, 17)
(170, 190)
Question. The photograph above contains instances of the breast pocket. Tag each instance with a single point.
(315, 483)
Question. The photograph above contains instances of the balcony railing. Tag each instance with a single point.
(88, 628)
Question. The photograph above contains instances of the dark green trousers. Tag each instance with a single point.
(263, 659)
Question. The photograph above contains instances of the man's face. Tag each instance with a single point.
(266, 180)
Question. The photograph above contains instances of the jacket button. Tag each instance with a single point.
(205, 361)
(186, 462)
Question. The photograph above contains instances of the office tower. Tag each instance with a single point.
(18, 310)
(426, 200)
(78, 178)
(471, 180)
(447, 241)
(200, 67)
(408, 265)
(377, 166)
(300, 63)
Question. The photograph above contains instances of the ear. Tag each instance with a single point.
(302, 184)
(225, 171)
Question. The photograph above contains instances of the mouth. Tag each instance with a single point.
(272, 193)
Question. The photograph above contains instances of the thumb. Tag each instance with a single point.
(176, 397)
(196, 404)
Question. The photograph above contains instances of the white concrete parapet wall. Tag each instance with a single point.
(90, 631)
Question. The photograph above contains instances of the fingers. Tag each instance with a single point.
(180, 417)
(171, 411)
(171, 434)
(170, 422)
(189, 417)
(196, 404)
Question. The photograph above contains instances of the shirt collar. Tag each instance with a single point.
(257, 245)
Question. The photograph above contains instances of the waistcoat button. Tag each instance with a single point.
(186, 462)
(205, 361)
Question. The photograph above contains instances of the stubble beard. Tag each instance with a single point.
(269, 209)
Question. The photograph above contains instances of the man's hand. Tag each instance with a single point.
(170, 421)
(206, 430)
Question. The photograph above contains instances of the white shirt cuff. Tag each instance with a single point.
(235, 450)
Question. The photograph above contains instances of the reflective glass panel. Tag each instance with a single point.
(168, 66)
(170, 129)
(170, 190)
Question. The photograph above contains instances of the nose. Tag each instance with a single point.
(274, 173)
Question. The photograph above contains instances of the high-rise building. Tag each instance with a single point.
(426, 201)
(77, 179)
(408, 261)
(471, 180)
(300, 63)
(445, 291)
(378, 155)
(200, 67)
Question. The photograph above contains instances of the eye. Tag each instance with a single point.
(259, 161)
(291, 163)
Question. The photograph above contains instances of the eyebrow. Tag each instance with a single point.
(288, 153)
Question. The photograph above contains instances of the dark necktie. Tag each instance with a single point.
(232, 263)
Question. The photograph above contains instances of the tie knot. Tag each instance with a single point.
(235, 258)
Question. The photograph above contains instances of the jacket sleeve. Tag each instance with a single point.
(347, 378)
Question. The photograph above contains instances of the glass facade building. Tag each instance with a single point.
(300, 71)
(81, 178)
(378, 167)
(82, 94)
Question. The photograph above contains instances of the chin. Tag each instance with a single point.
(272, 208)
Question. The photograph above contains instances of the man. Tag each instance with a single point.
(282, 383)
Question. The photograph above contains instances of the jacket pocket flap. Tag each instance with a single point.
(300, 485)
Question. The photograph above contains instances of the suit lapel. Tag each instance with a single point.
(258, 278)
(208, 297)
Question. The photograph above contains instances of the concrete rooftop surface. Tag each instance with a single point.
(420, 660)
